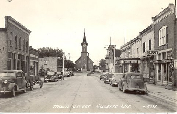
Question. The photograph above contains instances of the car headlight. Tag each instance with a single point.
(5, 81)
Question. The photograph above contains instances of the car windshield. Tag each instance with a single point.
(135, 77)
(7, 74)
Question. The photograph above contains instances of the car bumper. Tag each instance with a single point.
(114, 83)
(5, 90)
(136, 89)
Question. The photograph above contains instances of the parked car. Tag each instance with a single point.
(132, 82)
(12, 81)
(102, 76)
(107, 78)
(115, 79)
(59, 74)
(51, 77)
(71, 73)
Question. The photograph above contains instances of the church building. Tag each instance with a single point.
(84, 63)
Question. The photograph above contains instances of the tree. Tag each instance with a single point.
(49, 52)
(102, 64)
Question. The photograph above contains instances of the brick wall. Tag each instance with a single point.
(169, 22)
(3, 51)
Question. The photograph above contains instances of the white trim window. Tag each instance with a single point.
(163, 36)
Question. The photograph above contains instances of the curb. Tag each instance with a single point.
(163, 98)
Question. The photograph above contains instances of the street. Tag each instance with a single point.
(81, 94)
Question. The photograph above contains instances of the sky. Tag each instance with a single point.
(60, 23)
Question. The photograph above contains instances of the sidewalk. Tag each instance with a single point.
(159, 92)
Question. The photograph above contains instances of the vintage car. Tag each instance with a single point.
(107, 78)
(102, 76)
(33, 80)
(59, 74)
(12, 81)
(71, 73)
(132, 82)
(51, 77)
(115, 79)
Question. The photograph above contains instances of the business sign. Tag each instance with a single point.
(151, 52)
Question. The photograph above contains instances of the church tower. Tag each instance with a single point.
(84, 52)
(84, 63)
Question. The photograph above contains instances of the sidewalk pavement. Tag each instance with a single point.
(159, 92)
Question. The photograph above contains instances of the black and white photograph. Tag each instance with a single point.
(88, 56)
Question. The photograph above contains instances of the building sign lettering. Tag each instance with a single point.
(152, 52)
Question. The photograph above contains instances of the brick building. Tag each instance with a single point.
(157, 49)
(164, 24)
(84, 63)
(14, 51)
(49, 63)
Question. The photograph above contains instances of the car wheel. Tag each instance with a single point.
(13, 92)
(24, 89)
(31, 88)
(124, 89)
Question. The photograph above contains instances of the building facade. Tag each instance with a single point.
(34, 61)
(164, 24)
(156, 48)
(111, 59)
(48, 63)
(14, 51)
(84, 63)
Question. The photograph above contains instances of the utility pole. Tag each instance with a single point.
(114, 58)
(63, 65)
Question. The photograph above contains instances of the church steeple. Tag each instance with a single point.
(84, 39)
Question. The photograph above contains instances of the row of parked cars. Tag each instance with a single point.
(55, 76)
(13, 81)
(126, 81)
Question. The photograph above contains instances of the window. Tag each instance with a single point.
(27, 46)
(15, 42)
(163, 36)
(144, 47)
(149, 44)
(24, 45)
(20, 43)
(137, 51)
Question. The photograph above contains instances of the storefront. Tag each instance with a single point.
(129, 65)
(164, 67)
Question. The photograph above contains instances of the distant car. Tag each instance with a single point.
(59, 74)
(71, 73)
(51, 77)
(115, 79)
(132, 82)
(102, 76)
(107, 78)
(12, 81)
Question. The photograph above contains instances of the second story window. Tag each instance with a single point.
(149, 44)
(15, 42)
(27, 47)
(20, 43)
(24, 45)
(144, 47)
(163, 36)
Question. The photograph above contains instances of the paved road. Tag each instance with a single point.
(81, 93)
